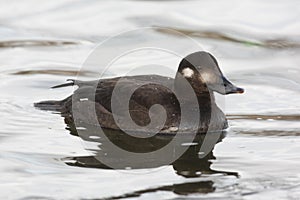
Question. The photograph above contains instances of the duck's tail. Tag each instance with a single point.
(50, 105)
(54, 105)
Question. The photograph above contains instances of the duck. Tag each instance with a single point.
(151, 99)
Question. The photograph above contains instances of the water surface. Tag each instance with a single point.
(257, 46)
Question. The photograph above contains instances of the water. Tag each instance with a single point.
(257, 45)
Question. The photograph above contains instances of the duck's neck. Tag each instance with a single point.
(205, 98)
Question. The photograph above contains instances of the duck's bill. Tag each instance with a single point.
(230, 88)
(235, 90)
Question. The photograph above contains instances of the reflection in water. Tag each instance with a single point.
(181, 189)
(188, 165)
(278, 43)
(265, 117)
(268, 125)
(40, 43)
(58, 72)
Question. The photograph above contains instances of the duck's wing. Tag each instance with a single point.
(135, 94)
(143, 90)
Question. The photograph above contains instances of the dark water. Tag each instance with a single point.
(257, 46)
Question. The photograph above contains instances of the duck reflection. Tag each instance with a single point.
(187, 160)
(188, 163)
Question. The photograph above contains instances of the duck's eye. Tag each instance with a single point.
(187, 72)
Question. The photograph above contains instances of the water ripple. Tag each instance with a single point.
(276, 43)
(39, 43)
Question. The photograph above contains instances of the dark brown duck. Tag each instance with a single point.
(92, 102)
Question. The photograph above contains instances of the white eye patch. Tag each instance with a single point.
(187, 72)
(209, 77)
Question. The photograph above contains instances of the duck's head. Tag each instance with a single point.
(201, 69)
